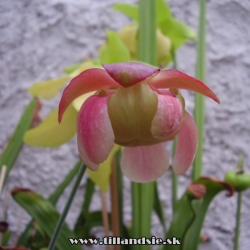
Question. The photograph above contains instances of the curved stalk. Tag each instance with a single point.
(199, 111)
(61, 220)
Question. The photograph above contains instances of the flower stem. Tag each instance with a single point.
(174, 177)
(61, 220)
(143, 194)
(174, 182)
(119, 186)
(238, 213)
(147, 32)
(2, 177)
(135, 209)
(238, 216)
(199, 99)
(105, 219)
(115, 222)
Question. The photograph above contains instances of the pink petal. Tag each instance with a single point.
(85, 158)
(175, 79)
(144, 164)
(94, 130)
(89, 80)
(187, 141)
(168, 118)
(129, 73)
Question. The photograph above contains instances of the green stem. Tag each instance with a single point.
(67, 207)
(147, 32)
(240, 162)
(115, 222)
(238, 213)
(174, 177)
(238, 216)
(143, 194)
(136, 210)
(199, 99)
(174, 182)
(119, 183)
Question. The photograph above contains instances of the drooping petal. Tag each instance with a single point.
(95, 134)
(89, 80)
(91, 165)
(175, 79)
(145, 163)
(129, 73)
(187, 141)
(168, 118)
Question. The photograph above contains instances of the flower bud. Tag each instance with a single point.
(129, 36)
(239, 179)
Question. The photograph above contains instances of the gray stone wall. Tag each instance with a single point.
(39, 38)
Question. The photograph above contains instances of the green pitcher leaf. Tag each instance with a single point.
(45, 215)
(52, 134)
(115, 50)
(48, 89)
(25, 238)
(190, 212)
(182, 218)
(15, 143)
(131, 10)
(213, 187)
(92, 219)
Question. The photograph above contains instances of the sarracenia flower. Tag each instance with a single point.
(138, 107)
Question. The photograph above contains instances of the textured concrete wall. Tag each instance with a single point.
(39, 38)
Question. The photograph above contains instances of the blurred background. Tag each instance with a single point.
(40, 38)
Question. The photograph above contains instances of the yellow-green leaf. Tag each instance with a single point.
(50, 133)
(77, 103)
(48, 89)
(101, 176)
